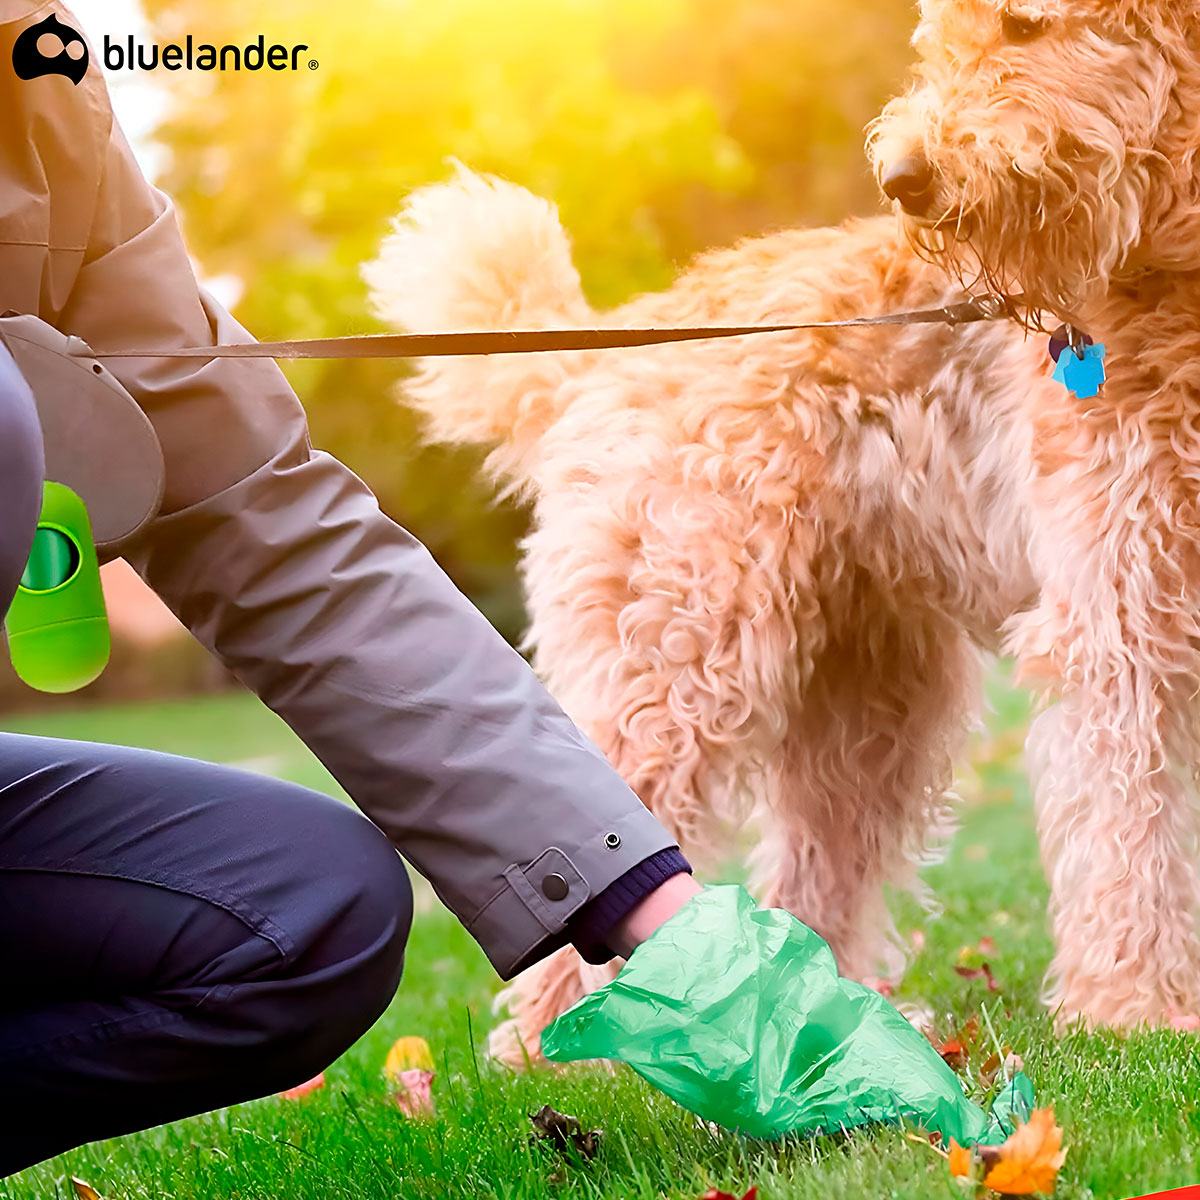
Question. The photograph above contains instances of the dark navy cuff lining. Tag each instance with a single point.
(592, 924)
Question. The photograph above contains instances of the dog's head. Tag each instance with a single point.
(1048, 146)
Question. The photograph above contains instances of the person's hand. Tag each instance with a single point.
(738, 1014)
(651, 912)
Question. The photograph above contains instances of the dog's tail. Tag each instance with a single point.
(473, 254)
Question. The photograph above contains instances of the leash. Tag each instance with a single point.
(431, 345)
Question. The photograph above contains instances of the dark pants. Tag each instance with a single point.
(176, 937)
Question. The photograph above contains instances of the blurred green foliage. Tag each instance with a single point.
(660, 127)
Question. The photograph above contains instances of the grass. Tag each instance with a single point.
(1130, 1107)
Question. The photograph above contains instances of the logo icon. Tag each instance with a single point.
(50, 48)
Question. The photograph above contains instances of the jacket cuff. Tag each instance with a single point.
(591, 925)
(533, 915)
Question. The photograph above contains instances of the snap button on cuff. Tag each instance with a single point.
(554, 887)
(612, 841)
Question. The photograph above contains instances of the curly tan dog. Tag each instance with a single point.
(759, 568)
(1054, 149)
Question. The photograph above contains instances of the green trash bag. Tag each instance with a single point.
(738, 1014)
(1012, 1107)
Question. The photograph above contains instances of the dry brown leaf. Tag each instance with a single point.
(84, 1191)
(564, 1131)
(987, 1073)
(1029, 1160)
(980, 972)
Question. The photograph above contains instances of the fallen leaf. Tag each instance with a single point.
(1029, 1160)
(564, 1132)
(84, 1191)
(714, 1194)
(302, 1089)
(406, 1054)
(987, 1073)
(960, 1160)
(414, 1091)
(953, 1053)
(982, 972)
(956, 1049)
(409, 1068)
(1011, 1063)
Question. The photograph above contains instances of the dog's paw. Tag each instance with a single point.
(877, 983)
(506, 1046)
(1184, 1022)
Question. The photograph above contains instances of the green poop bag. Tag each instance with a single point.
(738, 1014)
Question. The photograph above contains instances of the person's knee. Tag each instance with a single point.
(350, 945)
(371, 911)
(341, 905)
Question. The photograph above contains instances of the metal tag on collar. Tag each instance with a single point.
(1078, 361)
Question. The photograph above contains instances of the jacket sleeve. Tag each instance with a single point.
(279, 560)
(21, 471)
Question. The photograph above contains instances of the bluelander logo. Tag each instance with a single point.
(128, 54)
(50, 48)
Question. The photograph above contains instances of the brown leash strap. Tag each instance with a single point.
(429, 345)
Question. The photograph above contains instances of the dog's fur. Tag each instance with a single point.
(1063, 144)
(758, 567)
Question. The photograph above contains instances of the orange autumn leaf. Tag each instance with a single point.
(1029, 1161)
(960, 1159)
(84, 1191)
(956, 1048)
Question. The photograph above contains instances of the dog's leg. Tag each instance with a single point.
(536, 997)
(1117, 826)
(1118, 840)
(679, 659)
(863, 790)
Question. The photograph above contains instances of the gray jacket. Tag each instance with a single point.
(278, 559)
(21, 467)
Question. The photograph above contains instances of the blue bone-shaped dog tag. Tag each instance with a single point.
(1083, 375)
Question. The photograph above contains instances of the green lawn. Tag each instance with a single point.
(1129, 1107)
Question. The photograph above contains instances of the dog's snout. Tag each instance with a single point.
(909, 180)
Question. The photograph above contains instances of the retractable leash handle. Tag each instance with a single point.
(104, 473)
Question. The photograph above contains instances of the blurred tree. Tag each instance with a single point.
(794, 83)
(658, 128)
